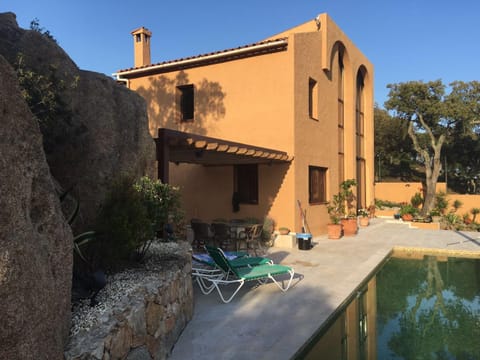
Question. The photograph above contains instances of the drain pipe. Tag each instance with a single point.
(120, 79)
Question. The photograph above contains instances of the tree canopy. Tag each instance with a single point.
(435, 118)
(394, 153)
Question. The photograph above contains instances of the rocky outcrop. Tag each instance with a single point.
(100, 132)
(102, 127)
(35, 241)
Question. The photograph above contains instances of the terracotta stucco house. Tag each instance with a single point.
(265, 125)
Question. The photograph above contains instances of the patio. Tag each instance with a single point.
(264, 323)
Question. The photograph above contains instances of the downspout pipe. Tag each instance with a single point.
(119, 78)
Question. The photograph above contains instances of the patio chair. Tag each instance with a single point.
(240, 275)
(221, 234)
(252, 238)
(201, 233)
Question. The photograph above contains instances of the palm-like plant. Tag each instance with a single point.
(475, 212)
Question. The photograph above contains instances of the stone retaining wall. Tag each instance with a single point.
(143, 324)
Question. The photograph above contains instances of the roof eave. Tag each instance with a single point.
(258, 49)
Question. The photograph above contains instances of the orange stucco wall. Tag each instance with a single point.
(263, 101)
(403, 192)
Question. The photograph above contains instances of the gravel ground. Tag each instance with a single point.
(121, 285)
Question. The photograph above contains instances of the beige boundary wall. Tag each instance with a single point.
(403, 192)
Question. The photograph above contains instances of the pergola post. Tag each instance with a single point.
(163, 155)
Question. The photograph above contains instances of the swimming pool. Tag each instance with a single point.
(415, 306)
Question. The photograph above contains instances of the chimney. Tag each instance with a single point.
(141, 46)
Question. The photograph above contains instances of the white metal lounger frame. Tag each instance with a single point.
(218, 281)
(202, 271)
(200, 274)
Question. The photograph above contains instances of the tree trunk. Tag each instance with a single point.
(429, 202)
(433, 166)
(431, 177)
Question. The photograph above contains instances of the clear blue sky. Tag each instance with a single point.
(405, 40)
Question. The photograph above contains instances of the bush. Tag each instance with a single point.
(386, 203)
(452, 221)
(475, 212)
(163, 205)
(408, 209)
(457, 204)
(441, 202)
(416, 200)
(123, 225)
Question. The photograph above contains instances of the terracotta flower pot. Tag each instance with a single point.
(334, 231)
(350, 226)
(364, 221)
(407, 217)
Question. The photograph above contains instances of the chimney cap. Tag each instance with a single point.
(142, 30)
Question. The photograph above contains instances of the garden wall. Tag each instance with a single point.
(142, 318)
(403, 192)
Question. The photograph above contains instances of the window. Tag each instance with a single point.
(138, 37)
(186, 102)
(341, 118)
(317, 189)
(340, 87)
(312, 98)
(246, 183)
(360, 140)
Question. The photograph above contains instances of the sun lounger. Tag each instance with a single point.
(235, 260)
(200, 273)
(240, 275)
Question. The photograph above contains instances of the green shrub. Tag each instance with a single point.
(441, 202)
(268, 226)
(386, 203)
(457, 204)
(416, 200)
(475, 212)
(452, 221)
(123, 225)
(408, 209)
(163, 205)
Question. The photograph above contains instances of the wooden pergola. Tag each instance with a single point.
(181, 147)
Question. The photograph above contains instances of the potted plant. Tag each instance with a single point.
(407, 212)
(435, 215)
(349, 222)
(363, 217)
(336, 210)
(283, 230)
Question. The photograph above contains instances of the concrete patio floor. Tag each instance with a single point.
(261, 322)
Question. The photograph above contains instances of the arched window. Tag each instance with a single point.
(341, 117)
(360, 139)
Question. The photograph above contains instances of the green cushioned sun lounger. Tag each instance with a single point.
(237, 259)
(260, 273)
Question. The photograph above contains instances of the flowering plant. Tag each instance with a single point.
(362, 212)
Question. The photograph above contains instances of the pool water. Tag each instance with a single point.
(422, 308)
(428, 309)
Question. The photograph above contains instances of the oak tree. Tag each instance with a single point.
(434, 118)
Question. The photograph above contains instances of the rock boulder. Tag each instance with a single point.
(102, 130)
(35, 240)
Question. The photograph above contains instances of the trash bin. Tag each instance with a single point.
(304, 241)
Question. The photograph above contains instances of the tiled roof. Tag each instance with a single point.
(226, 52)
